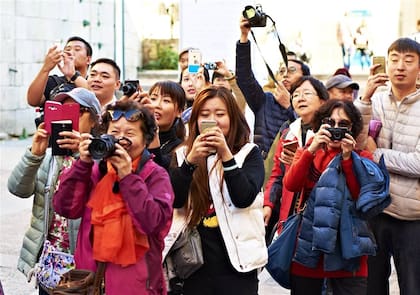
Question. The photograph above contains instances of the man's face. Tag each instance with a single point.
(341, 93)
(103, 81)
(79, 51)
(294, 72)
(403, 69)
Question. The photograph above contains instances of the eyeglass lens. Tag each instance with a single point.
(333, 123)
(131, 115)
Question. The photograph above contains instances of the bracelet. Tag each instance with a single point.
(231, 77)
(189, 165)
(75, 76)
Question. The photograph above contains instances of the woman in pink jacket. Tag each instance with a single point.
(125, 202)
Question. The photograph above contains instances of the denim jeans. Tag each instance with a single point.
(401, 239)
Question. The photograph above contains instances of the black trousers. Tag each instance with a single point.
(339, 286)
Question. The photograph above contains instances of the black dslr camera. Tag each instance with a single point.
(102, 147)
(255, 16)
(130, 87)
(338, 133)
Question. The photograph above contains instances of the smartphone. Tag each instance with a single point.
(206, 124)
(379, 60)
(374, 128)
(55, 111)
(194, 60)
(291, 145)
(56, 128)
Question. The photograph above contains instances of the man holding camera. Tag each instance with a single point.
(271, 110)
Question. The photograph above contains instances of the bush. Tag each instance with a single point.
(167, 59)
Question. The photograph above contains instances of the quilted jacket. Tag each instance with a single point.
(332, 225)
(269, 115)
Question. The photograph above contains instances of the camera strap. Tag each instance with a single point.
(282, 49)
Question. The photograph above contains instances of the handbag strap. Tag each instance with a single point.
(47, 189)
(99, 275)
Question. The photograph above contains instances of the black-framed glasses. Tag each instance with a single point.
(130, 115)
(342, 123)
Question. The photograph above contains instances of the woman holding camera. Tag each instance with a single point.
(336, 125)
(125, 203)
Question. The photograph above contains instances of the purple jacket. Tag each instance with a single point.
(149, 198)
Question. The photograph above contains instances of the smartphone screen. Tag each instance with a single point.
(379, 60)
(194, 60)
(56, 128)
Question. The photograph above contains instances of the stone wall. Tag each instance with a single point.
(29, 28)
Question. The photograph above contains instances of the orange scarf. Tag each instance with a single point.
(114, 237)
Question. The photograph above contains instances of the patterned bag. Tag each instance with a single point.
(51, 265)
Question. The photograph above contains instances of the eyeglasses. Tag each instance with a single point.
(342, 123)
(305, 94)
(289, 70)
(130, 115)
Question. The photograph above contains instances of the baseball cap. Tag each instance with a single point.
(341, 81)
(83, 97)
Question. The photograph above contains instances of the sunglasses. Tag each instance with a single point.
(130, 115)
(342, 123)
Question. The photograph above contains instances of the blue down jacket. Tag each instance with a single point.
(333, 224)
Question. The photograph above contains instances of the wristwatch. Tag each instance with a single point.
(75, 76)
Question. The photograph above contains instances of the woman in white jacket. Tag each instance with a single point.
(217, 181)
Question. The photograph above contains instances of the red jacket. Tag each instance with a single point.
(302, 176)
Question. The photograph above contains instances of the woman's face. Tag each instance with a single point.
(306, 101)
(340, 118)
(188, 83)
(130, 130)
(215, 109)
(166, 110)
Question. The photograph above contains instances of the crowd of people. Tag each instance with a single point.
(235, 182)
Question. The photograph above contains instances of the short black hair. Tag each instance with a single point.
(216, 75)
(109, 61)
(305, 69)
(405, 45)
(319, 87)
(89, 50)
(347, 106)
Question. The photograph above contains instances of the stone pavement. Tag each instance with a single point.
(14, 220)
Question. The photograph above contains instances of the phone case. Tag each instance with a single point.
(194, 60)
(379, 60)
(291, 145)
(55, 111)
(206, 124)
(56, 128)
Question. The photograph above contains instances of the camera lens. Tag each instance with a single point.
(102, 147)
(129, 89)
